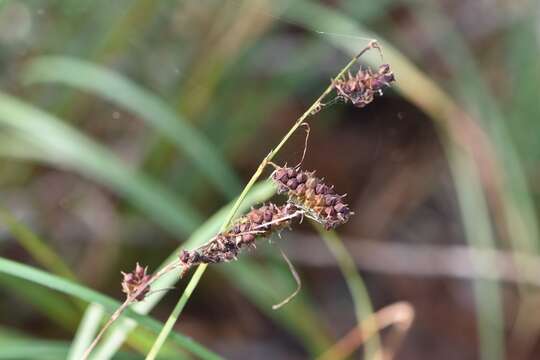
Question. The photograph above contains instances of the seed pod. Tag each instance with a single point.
(318, 200)
(134, 281)
(361, 88)
(258, 223)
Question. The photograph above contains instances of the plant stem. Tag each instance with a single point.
(363, 307)
(202, 268)
(175, 314)
(129, 300)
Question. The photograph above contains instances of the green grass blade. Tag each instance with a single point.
(425, 94)
(35, 246)
(22, 347)
(54, 306)
(173, 317)
(43, 278)
(155, 112)
(33, 349)
(86, 331)
(362, 302)
(247, 277)
(63, 146)
(261, 192)
(478, 232)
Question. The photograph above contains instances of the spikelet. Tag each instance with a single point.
(318, 200)
(134, 281)
(360, 89)
(258, 223)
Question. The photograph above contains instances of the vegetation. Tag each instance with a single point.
(127, 131)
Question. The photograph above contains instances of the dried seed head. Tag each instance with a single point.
(134, 281)
(360, 89)
(258, 223)
(318, 200)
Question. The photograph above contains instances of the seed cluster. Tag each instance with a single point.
(361, 88)
(318, 200)
(260, 222)
(133, 281)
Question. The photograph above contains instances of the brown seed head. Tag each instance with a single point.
(258, 223)
(134, 281)
(360, 89)
(317, 199)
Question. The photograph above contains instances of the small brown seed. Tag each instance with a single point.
(256, 217)
(341, 208)
(281, 175)
(321, 189)
(291, 172)
(311, 183)
(292, 184)
(330, 200)
(301, 177)
(330, 211)
(268, 216)
(319, 201)
(310, 194)
(247, 238)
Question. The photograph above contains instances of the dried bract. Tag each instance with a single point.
(318, 200)
(260, 222)
(134, 281)
(361, 88)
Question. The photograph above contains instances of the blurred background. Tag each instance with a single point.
(125, 125)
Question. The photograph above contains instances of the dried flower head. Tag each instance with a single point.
(361, 88)
(134, 281)
(258, 223)
(318, 200)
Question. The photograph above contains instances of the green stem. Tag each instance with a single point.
(360, 296)
(175, 313)
(202, 268)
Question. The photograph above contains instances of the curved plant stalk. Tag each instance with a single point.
(314, 108)
(400, 315)
(362, 304)
(260, 193)
(458, 132)
(130, 299)
(43, 278)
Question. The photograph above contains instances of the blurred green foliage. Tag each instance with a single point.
(157, 109)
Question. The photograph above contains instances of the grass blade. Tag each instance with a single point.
(63, 146)
(425, 94)
(173, 317)
(35, 246)
(43, 278)
(56, 307)
(362, 303)
(33, 349)
(155, 112)
(86, 331)
(119, 332)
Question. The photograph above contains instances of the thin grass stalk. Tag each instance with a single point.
(259, 193)
(174, 315)
(129, 300)
(268, 158)
(362, 304)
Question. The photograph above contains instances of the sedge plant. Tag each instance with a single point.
(308, 196)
